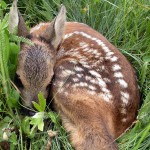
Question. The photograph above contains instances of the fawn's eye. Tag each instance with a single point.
(18, 81)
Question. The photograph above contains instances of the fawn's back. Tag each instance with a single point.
(93, 83)
(94, 86)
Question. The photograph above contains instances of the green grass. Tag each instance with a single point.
(126, 23)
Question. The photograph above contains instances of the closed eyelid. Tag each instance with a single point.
(18, 81)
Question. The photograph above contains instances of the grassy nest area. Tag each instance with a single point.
(125, 23)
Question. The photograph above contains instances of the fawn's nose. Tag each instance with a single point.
(27, 111)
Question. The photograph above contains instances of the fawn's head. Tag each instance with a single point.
(36, 61)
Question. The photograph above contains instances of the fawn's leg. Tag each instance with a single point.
(89, 135)
(83, 118)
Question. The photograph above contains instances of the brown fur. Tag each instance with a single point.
(93, 122)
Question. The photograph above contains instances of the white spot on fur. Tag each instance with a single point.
(107, 80)
(83, 44)
(124, 100)
(95, 52)
(79, 75)
(103, 67)
(66, 73)
(113, 59)
(85, 65)
(116, 67)
(94, 39)
(106, 93)
(68, 35)
(97, 64)
(88, 50)
(73, 61)
(124, 120)
(78, 68)
(83, 84)
(85, 49)
(122, 83)
(98, 41)
(125, 97)
(118, 75)
(97, 56)
(106, 97)
(105, 90)
(93, 81)
(88, 78)
(94, 73)
(75, 79)
(92, 87)
(101, 83)
(106, 49)
(109, 53)
(125, 94)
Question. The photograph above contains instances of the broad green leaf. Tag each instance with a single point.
(53, 117)
(37, 120)
(25, 125)
(36, 106)
(13, 138)
(42, 101)
(26, 128)
(7, 119)
(3, 4)
(13, 56)
(13, 98)
(4, 23)
(18, 39)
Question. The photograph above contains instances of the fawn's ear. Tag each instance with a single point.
(16, 20)
(22, 29)
(55, 31)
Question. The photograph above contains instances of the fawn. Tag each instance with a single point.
(94, 86)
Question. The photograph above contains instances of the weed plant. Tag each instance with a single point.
(126, 23)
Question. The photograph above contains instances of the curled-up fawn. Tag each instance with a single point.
(94, 86)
